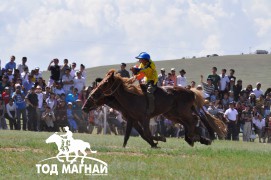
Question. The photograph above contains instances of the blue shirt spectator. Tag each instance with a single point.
(11, 64)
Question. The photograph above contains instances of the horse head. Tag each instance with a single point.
(53, 138)
(90, 104)
(106, 87)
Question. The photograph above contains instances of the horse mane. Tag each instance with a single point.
(131, 88)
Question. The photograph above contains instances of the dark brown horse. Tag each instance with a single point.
(177, 104)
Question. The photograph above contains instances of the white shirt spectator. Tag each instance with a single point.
(231, 114)
(67, 87)
(223, 82)
(40, 99)
(79, 83)
(73, 73)
(21, 67)
(10, 108)
(181, 81)
(259, 123)
(59, 91)
(257, 92)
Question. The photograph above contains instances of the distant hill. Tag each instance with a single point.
(250, 68)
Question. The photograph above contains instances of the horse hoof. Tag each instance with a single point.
(163, 139)
(205, 141)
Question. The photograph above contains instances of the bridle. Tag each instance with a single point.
(111, 90)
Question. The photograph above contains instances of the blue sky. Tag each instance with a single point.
(102, 32)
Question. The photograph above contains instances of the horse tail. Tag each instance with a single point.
(88, 146)
(218, 125)
(214, 123)
(199, 100)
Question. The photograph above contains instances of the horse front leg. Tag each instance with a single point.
(147, 132)
(127, 131)
(141, 132)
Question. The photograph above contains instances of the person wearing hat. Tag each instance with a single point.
(257, 91)
(231, 115)
(147, 67)
(123, 72)
(32, 100)
(67, 81)
(181, 79)
(161, 77)
(22, 66)
(208, 87)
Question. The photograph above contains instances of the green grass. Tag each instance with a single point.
(20, 151)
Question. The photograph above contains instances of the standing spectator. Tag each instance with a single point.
(11, 114)
(24, 74)
(73, 70)
(98, 119)
(173, 76)
(79, 117)
(3, 124)
(231, 116)
(123, 72)
(22, 66)
(224, 81)
(61, 115)
(246, 117)
(193, 84)
(10, 75)
(207, 87)
(161, 77)
(70, 117)
(260, 104)
(231, 76)
(40, 106)
(215, 78)
(33, 102)
(267, 104)
(64, 67)
(258, 90)
(11, 64)
(181, 79)
(67, 81)
(237, 89)
(36, 74)
(27, 85)
(83, 71)
(19, 100)
(259, 123)
(55, 71)
(6, 95)
(231, 85)
(268, 90)
(225, 101)
(79, 81)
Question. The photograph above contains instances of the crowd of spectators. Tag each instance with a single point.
(29, 102)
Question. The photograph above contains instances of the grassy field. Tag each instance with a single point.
(20, 151)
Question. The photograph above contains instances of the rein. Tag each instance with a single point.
(109, 91)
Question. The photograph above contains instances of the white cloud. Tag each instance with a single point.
(100, 32)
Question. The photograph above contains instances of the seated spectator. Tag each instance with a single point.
(24, 74)
(212, 109)
(252, 100)
(10, 75)
(48, 120)
(70, 117)
(51, 101)
(11, 114)
(246, 117)
(61, 115)
(260, 104)
(208, 87)
(215, 96)
(41, 83)
(231, 96)
(72, 97)
(6, 95)
(58, 88)
(225, 101)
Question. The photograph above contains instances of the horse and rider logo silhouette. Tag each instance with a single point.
(67, 145)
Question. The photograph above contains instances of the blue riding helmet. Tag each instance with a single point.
(143, 55)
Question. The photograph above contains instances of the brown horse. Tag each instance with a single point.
(177, 104)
